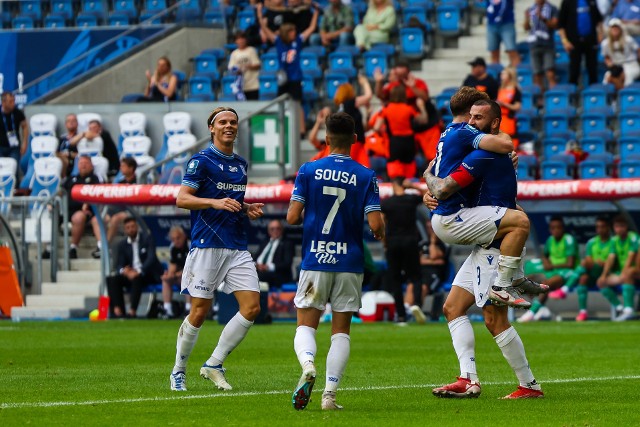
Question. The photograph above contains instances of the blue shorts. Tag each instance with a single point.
(501, 33)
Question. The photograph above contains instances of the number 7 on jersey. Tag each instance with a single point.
(340, 194)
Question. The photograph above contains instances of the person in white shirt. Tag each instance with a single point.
(246, 62)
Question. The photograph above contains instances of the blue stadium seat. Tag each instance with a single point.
(310, 64)
(629, 169)
(449, 20)
(98, 8)
(332, 80)
(62, 8)
(412, 43)
(309, 90)
(526, 120)
(227, 88)
(219, 53)
(270, 63)
(553, 146)
(596, 97)
(592, 122)
(523, 52)
(628, 146)
(530, 96)
(31, 8)
(629, 122)
(567, 135)
(495, 70)
(375, 59)
(352, 49)
(268, 86)
(555, 123)
(555, 100)
(419, 12)
(523, 173)
(342, 62)
(131, 97)
(359, 9)
(189, 11)
(607, 158)
(245, 19)
(215, 17)
(525, 74)
(554, 170)
(200, 86)
(119, 20)
(86, 20)
(629, 99)
(593, 169)
(321, 51)
(206, 65)
(55, 21)
(594, 145)
(127, 7)
(155, 6)
(22, 22)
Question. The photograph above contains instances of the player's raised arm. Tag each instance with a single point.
(501, 143)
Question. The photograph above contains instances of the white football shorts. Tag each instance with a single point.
(317, 288)
(469, 226)
(205, 269)
(478, 272)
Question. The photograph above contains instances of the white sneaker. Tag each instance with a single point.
(417, 314)
(178, 381)
(627, 314)
(216, 375)
(543, 314)
(329, 402)
(302, 393)
(528, 316)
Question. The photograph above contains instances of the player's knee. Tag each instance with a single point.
(522, 223)
(250, 312)
(450, 311)
(197, 316)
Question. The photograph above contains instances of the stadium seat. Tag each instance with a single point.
(98, 8)
(41, 146)
(352, 49)
(131, 124)
(85, 118)
(530, 95)
(593, 169)
(8, 169)
(189, 11)
(342, 62)
(556, 100)
(524, 173)
(554, 170)
(629, 169)
(593, 145)
(592, 122)
(228, 92)
(54, 21)
(628, 122)
(332, 81)
(217, 52)
(30, 8)
(556, 123)
(526, 120)
(494, 70)
(101, 167)
(596, 97)
(118, 20)
(525, 75)
(628, 146)
(629, 99)
(412, 43)
(200, 87)
(310, 64)
(418, 12)
(606, 158)
(86, 20)
(270, 63)
(63, 8)
(173, 170)
(449, 20)
(175, 123)
(22, 23)
(245, 19)
(215, 17)
(268, 88)
(127, 7)
(309, 90)
(388, 48)
(155, 6)
(135, 146)
(206, 66)
(553, 146)
(46, 179)
(375, 59)
(523, 51)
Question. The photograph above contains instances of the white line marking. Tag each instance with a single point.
(270, 392)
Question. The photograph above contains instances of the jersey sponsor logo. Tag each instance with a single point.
(229, 186)
(339, 248)
(192, 166)
(337, 176)
(201, 286)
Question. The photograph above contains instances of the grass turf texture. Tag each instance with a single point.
(117, 373)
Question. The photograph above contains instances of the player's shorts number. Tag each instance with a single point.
(478, 271)
(340, 194)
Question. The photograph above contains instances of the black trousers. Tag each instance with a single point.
(588, 50)
(403, 254)
(116, 285)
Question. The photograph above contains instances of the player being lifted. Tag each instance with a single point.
(331, 197)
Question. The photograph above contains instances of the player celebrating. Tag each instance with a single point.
(213, 190)
(496, 185)
(335, 193)
(457, 221)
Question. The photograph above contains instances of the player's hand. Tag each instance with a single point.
(378, 75)
(429, 201)
(254, 210)
(226, 204)
(514, 159)
(377, 236)
(601, 282)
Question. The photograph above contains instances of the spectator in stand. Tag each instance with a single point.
(301, 14)
(137, 266)
(272, 15)
(377, 24)
(162, 85)
(289, 45)
(245, 61)
(173, 275)
(14, 129)
(621, 268)
(68, 147)
(541, 20)
(580, 30)
(414, 86)
(510, 101)
(80, 213)
(619, 48)
(628, 12)
(556, 269)
(116, 214)
(480, 79)
(401, 242)
(598, 249)
(501, 28)
(400, 117)
(109, 150)
(336, 27)
(275, 257)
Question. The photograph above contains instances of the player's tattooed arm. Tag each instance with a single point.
(441, 189)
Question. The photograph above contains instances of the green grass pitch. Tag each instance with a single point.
(116, 373)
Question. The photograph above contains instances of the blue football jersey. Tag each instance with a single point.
(495, 179)
(216, 175)
(457, 140)
(336, 192)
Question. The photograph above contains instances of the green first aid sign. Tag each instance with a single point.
(265, 139)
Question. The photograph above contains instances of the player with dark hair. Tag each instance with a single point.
(213, 190)
(492, 178)
(331, 197)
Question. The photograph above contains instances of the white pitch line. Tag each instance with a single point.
(180, 396)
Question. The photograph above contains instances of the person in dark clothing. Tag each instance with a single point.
(434, 262)
(137, 266)
(580, 29)
(401, 242)
(275, 256)
(173, 275)
(480, 79)
(14, 130)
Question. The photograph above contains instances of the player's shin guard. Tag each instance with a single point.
(304, 344)
(507, 268)
(337, 359)
(187, 337)
(513, 350)
(231, 336)
(464, 343)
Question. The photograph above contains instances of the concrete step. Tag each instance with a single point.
(85, 264)
(61, 301)
(39, 313)
(91, 276)
(84, 289)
